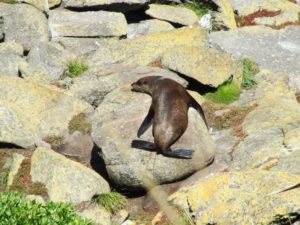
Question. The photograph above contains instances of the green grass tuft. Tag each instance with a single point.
(112, 201)
(250, 68)
(198, 7)
(226, 93)
(75, 68)
(80, 123)
(15, 208)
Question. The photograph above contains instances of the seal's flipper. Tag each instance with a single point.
(144, 145)
(147, 122)
(199, 109)
(179, 153)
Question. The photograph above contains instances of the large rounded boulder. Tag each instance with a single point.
(115, 125)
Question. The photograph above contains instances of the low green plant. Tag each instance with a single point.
(250, 68)
(75, 68)
(15, 208)
(4, 176)
(112, 201)
(9, 1)
(226, 93)
(80, 123)
(54, 140)
(199, 8)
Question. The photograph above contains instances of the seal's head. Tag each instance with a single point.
(145, 84)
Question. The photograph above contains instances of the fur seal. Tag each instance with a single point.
(168, 113)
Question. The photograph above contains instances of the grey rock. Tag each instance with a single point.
(115, 124)
(24, 24)
(63, 23)
(271, 132)
(65, 180)
(289, 163)
(97, 82)
(113, 5)
(271, 49)
(77, 146)
(10, 58)
(148, 27)
(47, 58)
(225, 142)
(96, 214)
(174, 14)
(81, 47)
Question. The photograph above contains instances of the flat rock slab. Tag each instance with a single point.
(271, 49)
(63, 23)
(214, 200)
(65, 180)
(114, 5)
(30, 112)
(81, 47)
(288, 11)
(148, 27)
(115, 125)
(97, 82)
(147, 49)
(24, 24)
(174, 14)
(208, 66)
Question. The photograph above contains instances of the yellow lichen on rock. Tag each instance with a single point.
(30, 112)
(208, 66)
(235, 197)
(147, 49)
(226, 13)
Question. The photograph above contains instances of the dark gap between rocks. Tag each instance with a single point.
(20, 74)
(195, 85)
(98, 164)
(9, 145)
(137, 16)
(26, 52)
(288, 219)
(2, 35)
(114, 7)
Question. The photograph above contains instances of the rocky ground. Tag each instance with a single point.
(68, 115)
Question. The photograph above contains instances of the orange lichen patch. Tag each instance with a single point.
(281, 26)
(156, 63)
(238, 131)
(249, 19)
